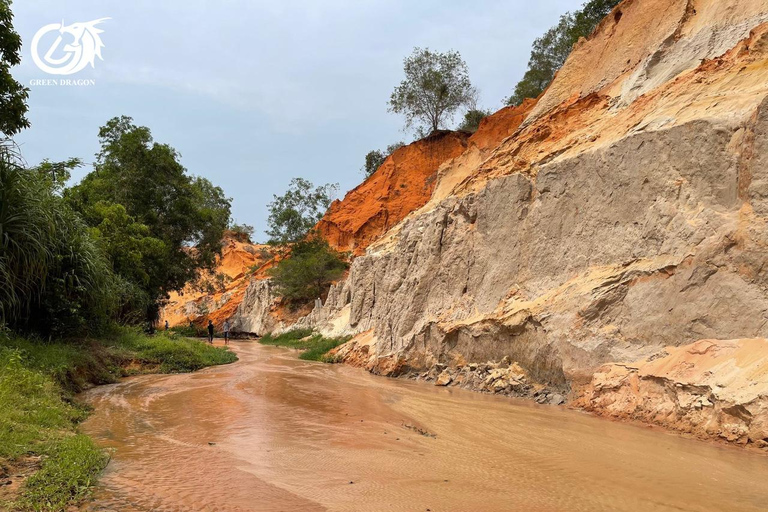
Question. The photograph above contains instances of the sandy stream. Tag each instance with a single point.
(274, 433)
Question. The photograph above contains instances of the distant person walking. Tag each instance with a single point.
(166, 325)
(210, 332)
(225, 328)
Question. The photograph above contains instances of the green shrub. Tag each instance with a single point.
(308, 271)
(472, 120)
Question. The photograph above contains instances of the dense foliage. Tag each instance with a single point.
(375, 158)
(160, 226)
(550, 51)
(472, 119)
(55, 277)
(293, 214)
(436, 86)
(308, 272)
(13, 96)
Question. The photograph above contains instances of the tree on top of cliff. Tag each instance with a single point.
(551, 50)
(436, 86)
(241, 232)
(295, 213)
(13, 96)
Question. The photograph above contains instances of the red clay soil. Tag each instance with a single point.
(239, 260)
(402, 184)
(500, 125)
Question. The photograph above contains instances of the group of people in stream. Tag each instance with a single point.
(225, 327)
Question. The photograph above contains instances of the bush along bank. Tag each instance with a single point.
(315, 347)
(45, 464)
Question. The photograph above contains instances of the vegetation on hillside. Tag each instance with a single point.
(241, 232)
(314, 346)
(472, 118)
(308, 271)
(309, 264)
(551, 50)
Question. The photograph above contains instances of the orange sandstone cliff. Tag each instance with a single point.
(403, 183)
(217, 296)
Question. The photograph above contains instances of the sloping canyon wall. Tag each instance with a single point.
(622, 216)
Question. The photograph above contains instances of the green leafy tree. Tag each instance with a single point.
(436, 86)
(551, 50)
(374, 159)
(472, 120)
(308, 271)
(13, 96)
(293, 214)
(140, 199)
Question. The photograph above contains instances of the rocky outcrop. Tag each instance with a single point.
(710, 388)
(218, 295)
(625, 214)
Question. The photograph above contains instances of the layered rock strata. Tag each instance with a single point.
(624, 218)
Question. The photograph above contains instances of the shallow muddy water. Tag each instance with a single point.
(273, 433)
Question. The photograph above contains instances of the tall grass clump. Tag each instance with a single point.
(56, 280)
(314, 346)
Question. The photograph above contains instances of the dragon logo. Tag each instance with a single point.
(72, 56)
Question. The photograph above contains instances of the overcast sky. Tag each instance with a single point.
(255, 93)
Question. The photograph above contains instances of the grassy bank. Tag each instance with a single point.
(38, 417)
(314, 346)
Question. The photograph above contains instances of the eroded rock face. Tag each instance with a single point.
(259, 302)
(612, 255)
(710, 388)
(220, 293)
(626, 214)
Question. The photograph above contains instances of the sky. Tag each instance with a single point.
(252, 93)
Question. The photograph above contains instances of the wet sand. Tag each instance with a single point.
(274, 433)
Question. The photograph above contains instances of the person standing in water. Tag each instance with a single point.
(225, 328)
(210, 332)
